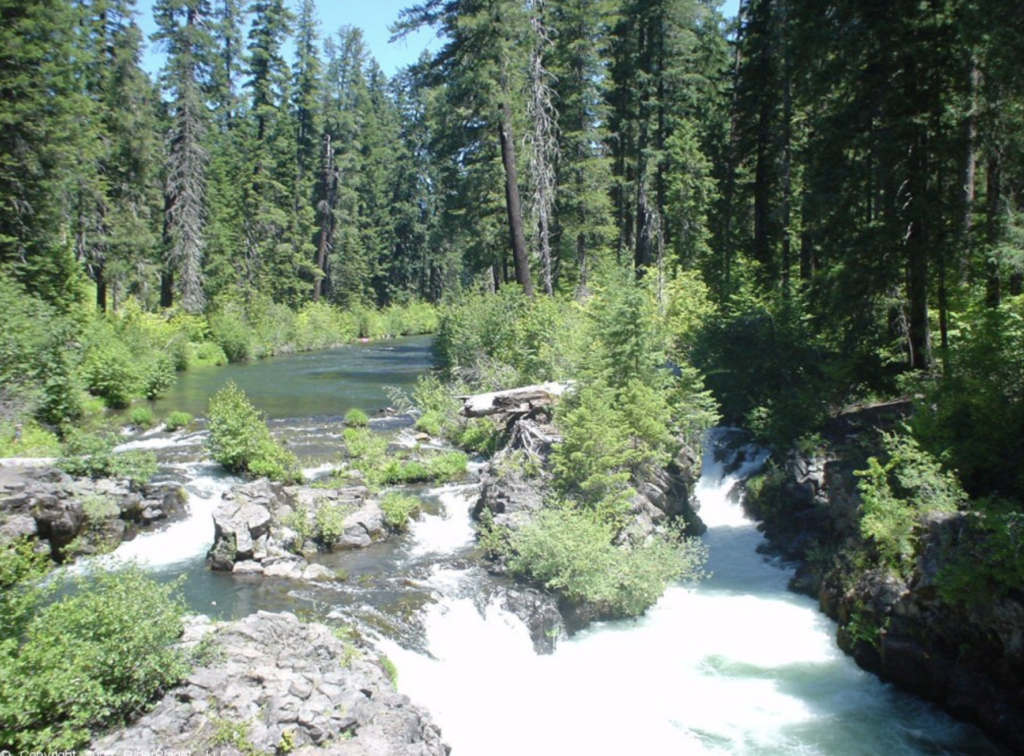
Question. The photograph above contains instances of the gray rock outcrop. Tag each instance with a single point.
(264, 528)
(71, 517)
(282, 686)
(965, 655)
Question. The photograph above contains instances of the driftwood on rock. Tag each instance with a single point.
(524, 412)
(513, 401)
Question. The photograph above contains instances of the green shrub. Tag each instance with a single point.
(92, 455)
(91, 660)
(330, 523)
(429, 423)
(365, 445)
(141, 416)
(447, 466)
(177, 420)
(896, 494)
(398, 509)
(158, 376)
(240, 440)
(988, 561)
(111, 371)
(207, 353)
(28, 439)
(570, 552)
(479, 434)
(230, 331)
(356, 418)
(300, 521)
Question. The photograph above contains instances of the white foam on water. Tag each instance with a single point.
(451, 529)
(735, 665)
(186, 539)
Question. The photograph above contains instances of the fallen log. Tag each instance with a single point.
(513, 401)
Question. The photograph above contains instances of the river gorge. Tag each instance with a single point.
(735, 664)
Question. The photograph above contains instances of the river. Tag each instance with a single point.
(734, 665)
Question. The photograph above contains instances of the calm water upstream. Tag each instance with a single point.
(735, 665)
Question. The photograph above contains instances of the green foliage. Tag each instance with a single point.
(507, 339)
(356, 418)
(233, 733)
(429, 423)
(141, 416)
(91, 660)
(398, 509)
(329, 521)
(592, 464)
(92, 455)
(988, 560)
(99, 507)
(896, 494)
(765, 367)
(241, 442)
(366, 446)
(206, 353)
(570, 552)
(27, 439)
(300, 521)
(390, 669)
(177, 420)
(983, 379)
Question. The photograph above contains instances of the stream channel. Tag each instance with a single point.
(734, 665)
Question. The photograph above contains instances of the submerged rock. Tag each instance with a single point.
(283, 686)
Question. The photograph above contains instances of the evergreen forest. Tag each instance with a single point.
(824, 199)
(772, 221)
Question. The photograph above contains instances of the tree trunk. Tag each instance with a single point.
(329, 184)
(513, 204)
(993, 230)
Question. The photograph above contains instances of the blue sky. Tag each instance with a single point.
(372, 16)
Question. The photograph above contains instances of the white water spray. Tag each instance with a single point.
(736, 665)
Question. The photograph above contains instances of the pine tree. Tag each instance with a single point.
(583, 227)
(484, 60)
(272, 264)
(183, 26)
(41, 135)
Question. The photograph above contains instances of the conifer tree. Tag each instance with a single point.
(183, 26)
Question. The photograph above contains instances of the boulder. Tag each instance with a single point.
(283, 686)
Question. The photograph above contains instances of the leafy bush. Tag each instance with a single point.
(207, 353)
(398, 509)
(27, 439)
(91, 660)
(92, 455)
(988, 562)
(356, 418)
(896, 494)
(592, 462)
(111, 371)
(240, 440)
(141, 416)
(230, 331)
(330, 523)
(570, 552)
(429, 423)
(365, 445)
(177, 420)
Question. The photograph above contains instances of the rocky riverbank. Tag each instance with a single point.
(278, 685)
(70, 517)
(966, 655)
